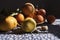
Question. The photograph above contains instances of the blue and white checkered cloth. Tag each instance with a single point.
(41, 36)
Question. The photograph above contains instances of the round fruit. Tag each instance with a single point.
(8, 24)
(31, 15)
(39, 19)
(44, 28)
(29, 25)
(28, 9)
(36, 11)
(51, 19)
(20, 18)
(42, 12)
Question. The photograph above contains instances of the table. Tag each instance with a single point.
(52, 34)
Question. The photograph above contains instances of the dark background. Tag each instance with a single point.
(52, 6)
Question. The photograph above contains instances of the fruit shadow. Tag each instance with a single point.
(55, 30)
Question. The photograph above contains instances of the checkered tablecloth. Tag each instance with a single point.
(41, 36)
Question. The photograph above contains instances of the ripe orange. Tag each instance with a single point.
(39, 19)
(20, 18)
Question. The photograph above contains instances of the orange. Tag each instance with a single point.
(39, 19)
(20, 18)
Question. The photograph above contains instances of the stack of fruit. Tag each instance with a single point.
(28, 19)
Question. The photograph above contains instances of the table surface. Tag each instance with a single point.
(52, 34)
